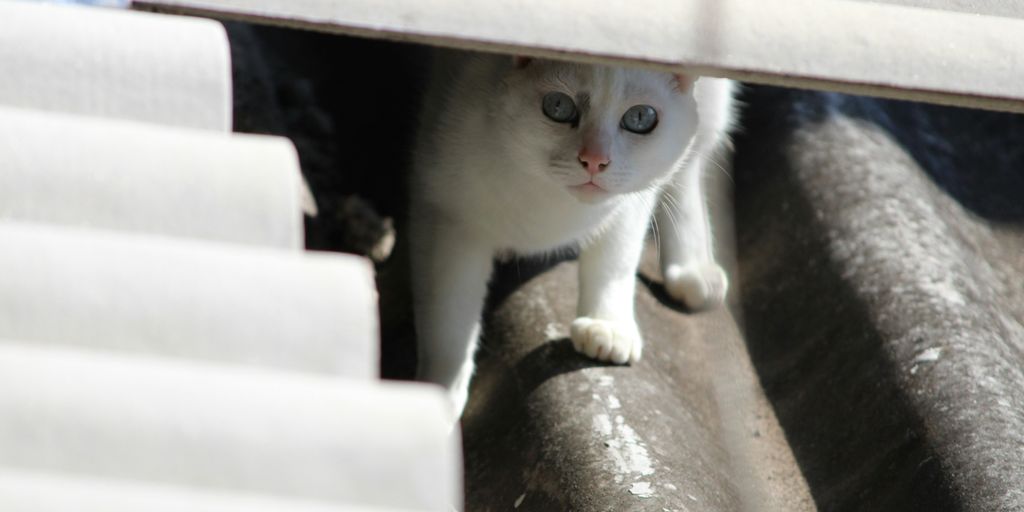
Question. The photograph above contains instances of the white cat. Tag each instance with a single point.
(527, 156)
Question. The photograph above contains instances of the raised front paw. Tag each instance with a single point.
(698, 285)
(606, 340)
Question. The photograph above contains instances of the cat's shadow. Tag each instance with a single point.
(549, 360)
(516, 383)
(661, 294)
(554, 357)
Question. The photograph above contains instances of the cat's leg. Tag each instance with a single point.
(605, 327)
(691, 273)
(450, 275)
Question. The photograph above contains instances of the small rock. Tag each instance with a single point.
(641, 490)
(519, 500)
(929, 355)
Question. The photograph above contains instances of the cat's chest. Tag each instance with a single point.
(536, 222)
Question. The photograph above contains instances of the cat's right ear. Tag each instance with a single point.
(521, 62)
(682, 83)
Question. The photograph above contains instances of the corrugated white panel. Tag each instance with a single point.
(31, 491)
(177, 297)
(1010, 8)
(140, 177)
(114, 63)
(863, 47)
(227, 428)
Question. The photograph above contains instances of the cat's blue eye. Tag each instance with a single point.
(640, 119)
(559, 107)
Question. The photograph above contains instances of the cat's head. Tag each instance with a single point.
(597, 131)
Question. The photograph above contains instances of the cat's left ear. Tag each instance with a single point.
(682, 83)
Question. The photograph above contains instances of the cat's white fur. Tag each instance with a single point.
(493, 175)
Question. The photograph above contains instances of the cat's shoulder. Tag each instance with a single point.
(716, 104)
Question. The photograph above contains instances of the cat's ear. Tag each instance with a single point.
(682, 83)
(521, 62)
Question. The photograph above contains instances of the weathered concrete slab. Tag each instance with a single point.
(684, 429)
(881, 263)
(687, 428)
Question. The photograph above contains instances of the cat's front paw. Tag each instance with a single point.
(698, 285)
(606, 340)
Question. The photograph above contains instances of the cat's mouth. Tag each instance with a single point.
(589, 186)
(589, 192)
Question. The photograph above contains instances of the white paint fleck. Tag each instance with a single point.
(945, 291)
(519, 500)
(692, 497)
(553, 331)
(929, 355)
(603, 425)
(629, 452)
(642, 490)
(671, 487)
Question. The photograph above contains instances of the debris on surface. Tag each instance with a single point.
(641, 490)
(519, 500)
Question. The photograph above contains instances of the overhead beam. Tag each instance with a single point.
(880, 49)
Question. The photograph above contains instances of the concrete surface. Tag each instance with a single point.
(686, 428)
(880, 261)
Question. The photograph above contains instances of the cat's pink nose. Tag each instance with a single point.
(593, 161)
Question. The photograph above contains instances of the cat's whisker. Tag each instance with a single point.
(648, 206)
(713, 160)
(671, 208)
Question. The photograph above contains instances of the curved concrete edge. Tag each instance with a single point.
(686, 428)
(884, 317)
